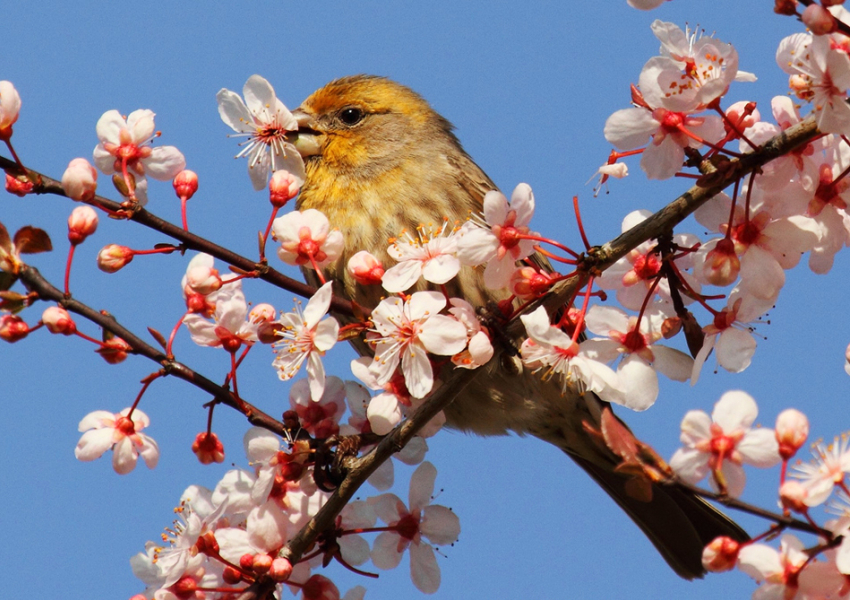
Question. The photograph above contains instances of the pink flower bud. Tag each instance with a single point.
(720, 554)
(13, 328)
(185, 587)
(793, 496)
(261, 563)
(57, 320)
(113, 258)
(81, 224)
(262, 313)
(10, 108)
(742, 115)
(528, 283)
(20, 186)
(246, 561)
(114, 350)
(365, 268)
(231, 575)
(79, 180)
(203, 279)
(185, 184)
(281, 569)
(722, 265)
(283, 187)
(818, 19)
(319, 587)
(792, 429)
(208, 448)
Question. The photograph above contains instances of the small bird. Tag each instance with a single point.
(379, 160)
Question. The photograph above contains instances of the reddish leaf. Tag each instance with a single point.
(32, 240)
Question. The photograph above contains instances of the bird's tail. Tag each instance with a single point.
(677, 522)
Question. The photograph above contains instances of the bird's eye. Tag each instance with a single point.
(351, 116)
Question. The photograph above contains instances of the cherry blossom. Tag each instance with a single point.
(789, 574)
(407, 330)
(265, 121)
(634, 275)
(820, 74)
(120, 432)
(827, 470)
(229, 328)
(497, 241)
(721, 443)
(307, 239)
(551, 350)
(79, 180)
(661, 131)
(307, 336)
(431, 255)
(319, 416)
(124, 146)
(10, 108)
(641, 357)
(409, 528)
(365, 268)
(479, 350)
(692, 72)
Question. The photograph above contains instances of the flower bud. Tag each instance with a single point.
(185, 184)
(81, 224)
(13, 328)
(19, 186)
(113, 258)
(208, 448)
(57, 320)
(246, 561)
(203, 279)
(720, 554)
(283, 187)
(785, 7)
(114, 350)
(818, 19)
(670, 327)
(528, 283)
(281, 569)
(722, 265)
(261, 563)
(792, 495)
(365, 268)
(10, 108)
(231, 576)
(207, 544)
(262, 313)
(792, 429)
(79, 180)
(185, 587)
(742, 114)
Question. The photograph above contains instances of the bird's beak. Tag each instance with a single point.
(308, 138)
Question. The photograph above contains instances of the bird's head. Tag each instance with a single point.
(367, 122)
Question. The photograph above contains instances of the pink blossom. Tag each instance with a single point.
(641, 356)
(431, 255)
(720, 554)
(307, 239)
(265, 121)
(81, 224)
(411, 527)
(10, 108)
(792, 429)
(497, 241)
(185, 184)
(320, 417)
(105, 430)
(79, 180)
(528, 283)
(125, 144)
(365, 268)
(229, 328)
(721, 443)
(552, 351)
(788, 574)
(407, 330)
(820, 74)
(479, 350)
(283, 187)
(831, 463)
(693, 71)
(57, 320)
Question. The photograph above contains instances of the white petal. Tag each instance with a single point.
(424, 570)
(735, 410)
(759, 448)
(385, 554)
(422, 486)
(440, 525)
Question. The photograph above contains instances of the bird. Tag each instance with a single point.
(379, 160)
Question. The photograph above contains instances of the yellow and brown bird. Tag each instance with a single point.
(380, 160)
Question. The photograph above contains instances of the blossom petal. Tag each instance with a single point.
(424, 570)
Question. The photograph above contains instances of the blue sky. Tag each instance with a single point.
(529, 88)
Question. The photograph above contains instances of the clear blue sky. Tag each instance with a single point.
(529, 86)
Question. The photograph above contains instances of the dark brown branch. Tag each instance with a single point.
(45, 185)
(35, 282)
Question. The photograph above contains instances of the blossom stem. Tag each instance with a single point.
(15, 155)
(145, 383)
(580, 321)
(265, 237)
(173, 334)
(548, 254)
(68, 268)
(580, 224)
(183, 200)
(131, 188)
(714, 147)
(88, 338)
(736, 130)
(537, 238)
(317, 269)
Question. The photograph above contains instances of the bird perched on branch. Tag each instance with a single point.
(380, 160)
